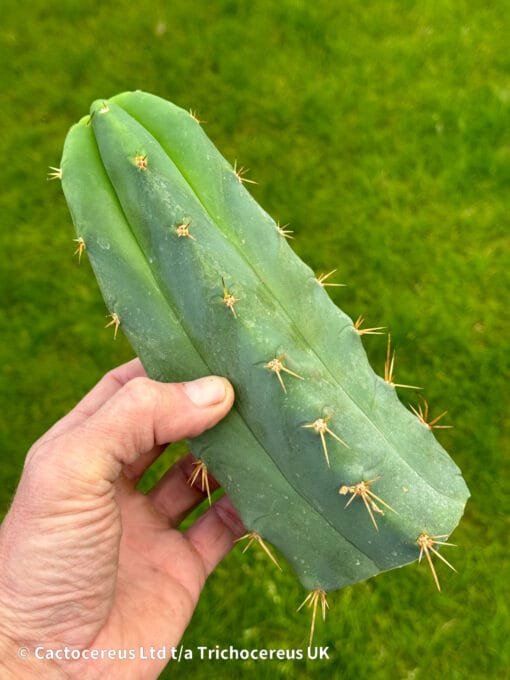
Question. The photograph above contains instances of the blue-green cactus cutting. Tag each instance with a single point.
(319, 456)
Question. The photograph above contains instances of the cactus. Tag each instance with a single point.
(319, 456)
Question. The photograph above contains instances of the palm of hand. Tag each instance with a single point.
(92, 563)
(159, 579)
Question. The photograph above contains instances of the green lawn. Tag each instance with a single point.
(380, 131)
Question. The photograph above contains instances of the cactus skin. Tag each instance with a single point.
(134, 171)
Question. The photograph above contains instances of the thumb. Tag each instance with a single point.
(144, 413)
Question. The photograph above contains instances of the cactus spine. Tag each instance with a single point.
(202, 280)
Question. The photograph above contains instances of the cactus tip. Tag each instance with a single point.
(321, 427)
(141, 162)
(80, 247)
(182, 230)
(423, 416)
(321, 279)
(312, 601)
(366, 331)
(55, 173)
(276, 365)
(196, 117)
(104, 108)
(240, 172)
(283, 231)
(254, 536)
(362, 489)
(426, 544)
(201, 471)
(228, 299)
(115, 322)
(389, 365)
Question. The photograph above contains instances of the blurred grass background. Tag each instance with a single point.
(380, 132)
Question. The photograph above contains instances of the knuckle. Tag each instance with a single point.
(141, 394)
(39, 452)
(111, 378)
(40, 470)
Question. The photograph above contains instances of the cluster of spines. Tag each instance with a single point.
(320, 425)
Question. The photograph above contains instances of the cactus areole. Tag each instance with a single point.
(318, 455)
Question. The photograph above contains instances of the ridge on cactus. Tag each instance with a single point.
(202, 280)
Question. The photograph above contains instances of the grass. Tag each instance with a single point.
(379, 131)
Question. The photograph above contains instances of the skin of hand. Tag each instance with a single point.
(86, 560)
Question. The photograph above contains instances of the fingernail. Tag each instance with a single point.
(206, 391)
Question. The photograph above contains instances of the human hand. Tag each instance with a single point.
(87, 560)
